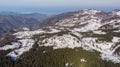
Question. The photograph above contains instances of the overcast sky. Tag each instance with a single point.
(56, 5)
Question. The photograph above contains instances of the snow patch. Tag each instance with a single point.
(28, 34)
(99, 32)
(62, 42)
(116, 39)
(14, 45)
(83, 60)
(89, 27)
(26, 46)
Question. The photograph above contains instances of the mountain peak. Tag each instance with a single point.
(90, 11)
(116, 13)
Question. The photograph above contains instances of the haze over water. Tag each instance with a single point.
(57, 6)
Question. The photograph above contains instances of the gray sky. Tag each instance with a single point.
(59, 3)
(31, 4)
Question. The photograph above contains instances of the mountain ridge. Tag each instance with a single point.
(11, 20)
(89, 29)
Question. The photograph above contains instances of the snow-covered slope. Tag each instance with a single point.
(89, 29)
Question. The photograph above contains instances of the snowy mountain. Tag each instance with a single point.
(92, 30)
